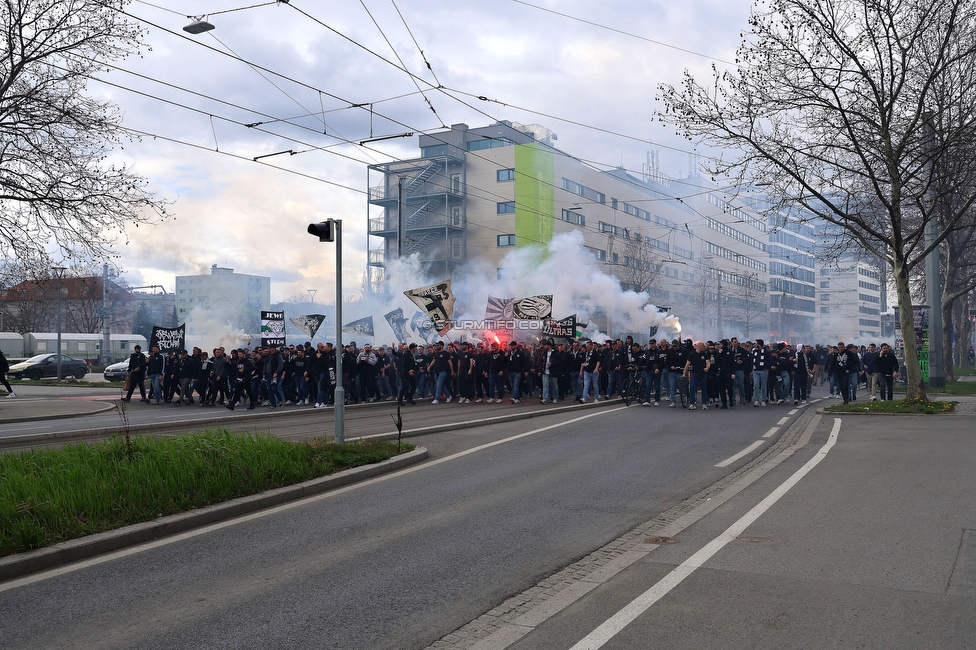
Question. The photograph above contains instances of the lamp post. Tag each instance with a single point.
(59, 271)
(327, 231)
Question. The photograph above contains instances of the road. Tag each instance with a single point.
(397, 562)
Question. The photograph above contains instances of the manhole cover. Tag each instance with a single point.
(660, 541)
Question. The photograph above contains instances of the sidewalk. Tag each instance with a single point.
(874, 546)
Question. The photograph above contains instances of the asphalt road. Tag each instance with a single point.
(401, 561)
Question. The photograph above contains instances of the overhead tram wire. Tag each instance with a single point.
(392, 120)
(402, 63)
(620, 31)
(351, 105)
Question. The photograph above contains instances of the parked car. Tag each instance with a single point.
(116, 371)
(46, 365)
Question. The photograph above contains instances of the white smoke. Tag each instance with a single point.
(578, 283)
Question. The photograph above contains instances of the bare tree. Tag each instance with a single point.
(641, 270)
(847, 108)
(750, 305)
(56, 188)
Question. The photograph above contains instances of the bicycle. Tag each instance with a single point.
(633, 386)
(683, 383)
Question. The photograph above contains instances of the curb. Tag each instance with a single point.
(190, 425)
(49, 557)
(58, 416)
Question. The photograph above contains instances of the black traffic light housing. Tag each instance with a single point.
(324, 230)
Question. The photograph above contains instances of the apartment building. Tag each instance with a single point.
(224, 296)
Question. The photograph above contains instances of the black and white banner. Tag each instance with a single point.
(533, 308)
(308, 324)
(397, 321)
(438, 301)
(272, 328)
(169, 339)
(565, 328)
(363, 326)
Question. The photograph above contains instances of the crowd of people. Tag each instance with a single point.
(724, 373)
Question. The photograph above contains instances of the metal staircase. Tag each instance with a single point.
(425, 174)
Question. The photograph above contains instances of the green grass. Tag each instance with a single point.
(965, 371)
(52, 495)
(896, 406)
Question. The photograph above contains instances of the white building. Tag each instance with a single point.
(225, 296)
(849, 298)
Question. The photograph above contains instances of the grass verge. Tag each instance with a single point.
(896, 406)
(52, 495)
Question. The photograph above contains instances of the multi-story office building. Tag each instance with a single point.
(850, 301)
(475, 193)
(224, 296)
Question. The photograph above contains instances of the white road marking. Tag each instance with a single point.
(84, 564)
(793, 412)
(769, 434)
(598, 637)
(783, 421)
(749, 449)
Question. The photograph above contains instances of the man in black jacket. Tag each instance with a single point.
(407, 368)
(887, 369)
(186, 369)
(137, 374)
(157, 369)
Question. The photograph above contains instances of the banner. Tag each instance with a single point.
(363, 326)
(423, 327)
(169, 339)
(272, 328)
(533, 308)
(308, 324)
(438, 301)
(499, 309)
(397, 320)
(565, 328)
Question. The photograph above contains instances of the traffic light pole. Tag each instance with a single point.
(340, 391)
(329, 231)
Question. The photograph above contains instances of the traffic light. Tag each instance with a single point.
(324, 230)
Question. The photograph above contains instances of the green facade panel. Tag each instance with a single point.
(534, 194)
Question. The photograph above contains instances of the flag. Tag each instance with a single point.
(499, 308)
(308, 324)
(362, 326)
(272, 328)
(437, 301)
(169, 339)
(565, 328)
(423, 327)
(397, 320)
(533, 308)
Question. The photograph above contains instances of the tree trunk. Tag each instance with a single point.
(913, 369)
(948, 348)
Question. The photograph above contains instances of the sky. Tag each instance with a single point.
(318, 78)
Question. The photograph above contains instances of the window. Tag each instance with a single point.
(868, 285)
(582, 190)
(825, 310)
(457, 248)
(505, 175)
(506, 207)
(488, 143)
(728, 231)
(456, 183)
(615, 230)
(456, 216)
(599, 253)
(637, 212)
(671, 273)
(824, 297)
(506, 240)
(825, 284)
(573, 217)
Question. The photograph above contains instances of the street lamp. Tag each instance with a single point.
(59, 271)
(327, 231)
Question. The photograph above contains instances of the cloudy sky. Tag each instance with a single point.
(317, 78)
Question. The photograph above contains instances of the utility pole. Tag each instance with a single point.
(106, 327)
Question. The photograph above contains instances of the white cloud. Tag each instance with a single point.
(234, 212)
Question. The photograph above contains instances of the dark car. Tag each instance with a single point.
(46, 365)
